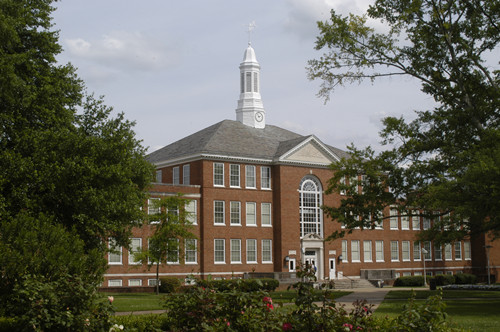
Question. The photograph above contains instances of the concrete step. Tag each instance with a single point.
(352, 283)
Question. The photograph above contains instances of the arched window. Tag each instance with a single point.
(311, 215)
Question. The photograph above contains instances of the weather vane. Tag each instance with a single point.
(251, 26)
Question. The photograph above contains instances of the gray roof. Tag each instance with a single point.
(232, 138)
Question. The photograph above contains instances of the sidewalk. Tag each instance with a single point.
(374, 296)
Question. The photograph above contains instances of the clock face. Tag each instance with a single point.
(259, 116)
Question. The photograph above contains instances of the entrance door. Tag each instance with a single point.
(291, 265)
(331, 265)
(311, 259)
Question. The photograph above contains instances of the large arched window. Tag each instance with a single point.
(311, 215)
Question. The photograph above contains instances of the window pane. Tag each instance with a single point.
(405, 249)
(219, 251)
(186, 174)
(250, 213)
(266, 251)
(234, 175)
(250, 176)
(394, 218)
(235, 213)
(115, 254)
(265, 180)
(251, 250)
(235, 251)
(190, 251)
(367, 251)
(135, 246)
(379, 251)
(191, 212)
(175, 175)
(416, 251)
(355, 251)
(219, 212)
(218, 174)
(394, 251)
(266, 214)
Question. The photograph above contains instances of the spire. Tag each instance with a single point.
(250, 110)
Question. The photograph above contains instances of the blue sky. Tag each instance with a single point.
(172, 66)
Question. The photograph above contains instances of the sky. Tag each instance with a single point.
(173, 66)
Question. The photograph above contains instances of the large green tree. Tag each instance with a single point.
(446, 161)
(71, 176)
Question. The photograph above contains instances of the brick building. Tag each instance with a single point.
(256, 192)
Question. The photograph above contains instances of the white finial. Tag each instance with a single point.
(251, 26)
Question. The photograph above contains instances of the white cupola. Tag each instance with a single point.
(250, 110)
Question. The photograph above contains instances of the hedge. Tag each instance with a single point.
(243, 285)
(441, 280)
(465, 279)
(409, 281)
(444, 279)
(143, 323)
(169, 285)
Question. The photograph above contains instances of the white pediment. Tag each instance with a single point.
(310, 151)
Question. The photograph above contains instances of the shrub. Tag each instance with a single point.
(169, 285)
(143, 323)
(465, 278)
(243, 285)
(444, 279)
(409, 281)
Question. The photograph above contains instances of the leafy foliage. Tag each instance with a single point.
(245, 285)
(170, 226)
(446, 161)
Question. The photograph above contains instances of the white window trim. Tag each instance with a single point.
(214, 166)
(397, 251)
(120, 281)
(254, 251)
(176, 175)
(254, 214)
(370, 260)
(419, 258)
(186, 169)
(177, 262)
(467, 251)
(262, 214)
(376, 251)
(392, 217)
(193, 215)
(358, 260)
(262, 177)
(402, 251)
(270, 251)
(110, 244)
(224, 251)
(231, 213)
(223, 214)
(231, 251)
(440, 259)
(130, 281)
(195, 252)
(451, 250)
(131, 260)
(345, 252)
(254, 177)
(231, 176)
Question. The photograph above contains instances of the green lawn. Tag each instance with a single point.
(474, 310)
(150, 301)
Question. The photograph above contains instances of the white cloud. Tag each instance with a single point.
(120, 49)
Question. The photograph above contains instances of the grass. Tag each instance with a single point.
(469, 310)
(150, 301)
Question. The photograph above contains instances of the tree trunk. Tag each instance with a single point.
(157, 278)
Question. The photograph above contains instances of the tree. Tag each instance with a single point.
(446, 162)
(67, 166)
(171, 225)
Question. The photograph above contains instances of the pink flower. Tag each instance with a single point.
(348, 325)
(111, 299)
(269, 306)
(267, 299)
(228, 324)
(287, 326)
(365, 309)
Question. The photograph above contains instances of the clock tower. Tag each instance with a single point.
(250, 110)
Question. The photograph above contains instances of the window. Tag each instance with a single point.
(405, 221)
(234, 175)
(219, 251)
(172, 251)
(191, 212)
(153, 208)
(265, 214)
(458, 251)
(343, 182)
(186, 174)
(415, 220)
(158, 176)
(242, 83)
(114, 283)
(379, 251)
(152, 282)
(344, 251)
(448, 252)
(249, 176)
(438, 252)
(394, 251)
(219, 174)
(266, 251)
(416, 251)
(393, 218)
(135, 246)
(115, 253)
(250, 214)
(428, 254)
(355, 251)
(467, 251)
(405, 250)
(379, 224)
(190, 251)
(367, 251)
(256, 82)
(135, 282)
(175, 175)
(251, 251)
(235, 213)
(310, 201)
(219, 213)
(265, 177)
(235, 251)
(426, 223)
